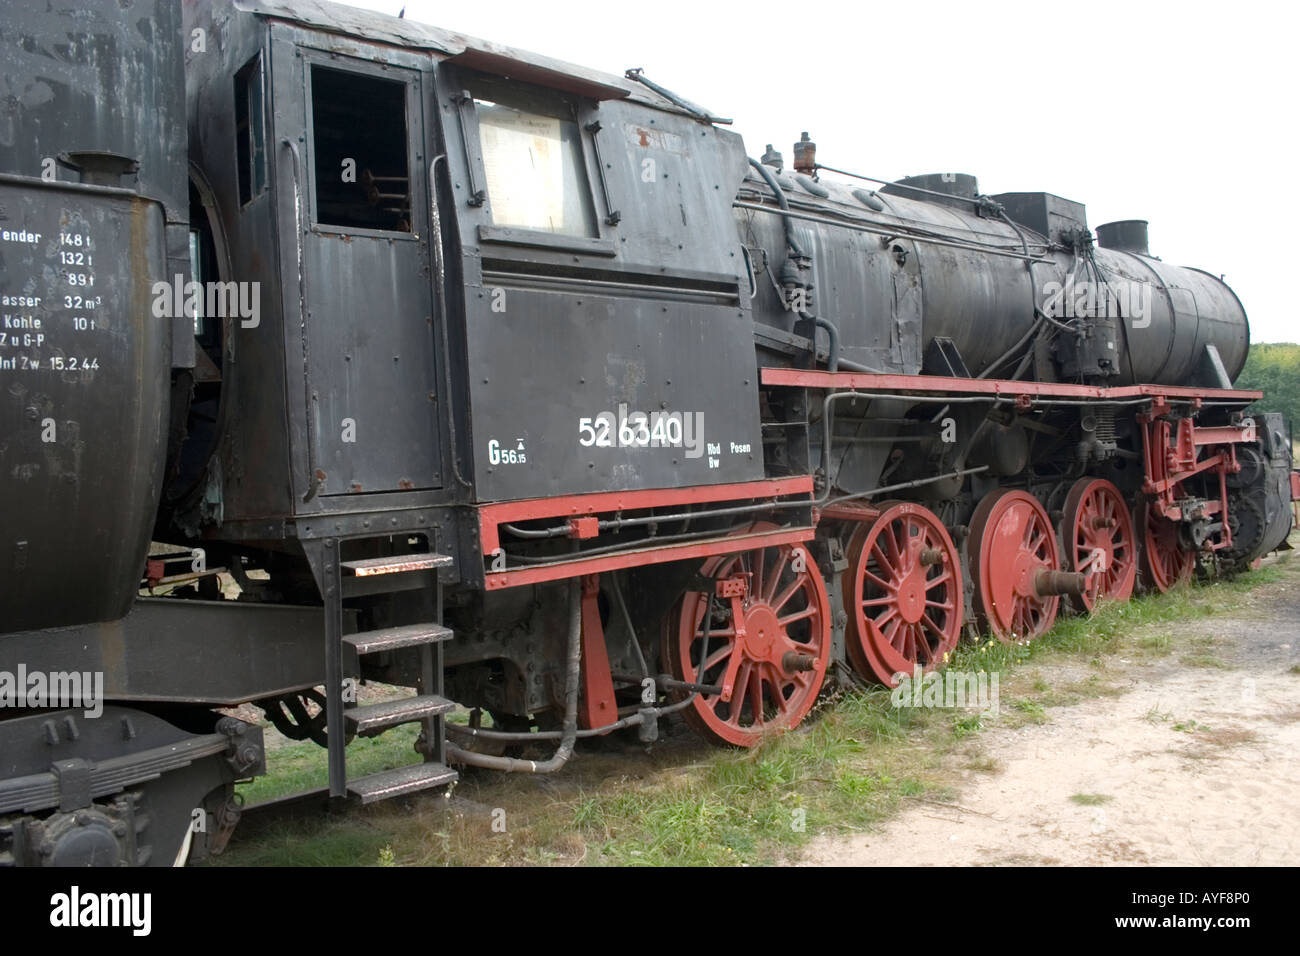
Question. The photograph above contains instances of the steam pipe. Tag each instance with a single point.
(779, 195)
(569, 735)
(508, 736)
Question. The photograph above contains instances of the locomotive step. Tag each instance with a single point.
(393, 638)
(394, 564)
(403, 780)
(375, 717)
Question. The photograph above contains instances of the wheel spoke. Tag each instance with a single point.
(807, 612)
(880, 582)
(718, 632)
(885, 561)
(880, 621)
(924, 652)
(893, 631)
(713, 660)
(774, 576)
(934, 582)
(738, 686)
(788, 593)
(778, 697)
(756, 696)
(892, 545)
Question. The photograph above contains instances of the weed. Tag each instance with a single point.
(1090, 799)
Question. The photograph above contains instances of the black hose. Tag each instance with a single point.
(569, 735)
(508, 736)
(1009, 353)
(833, 360)
(779, 195)
(832, 343)
(855, 367)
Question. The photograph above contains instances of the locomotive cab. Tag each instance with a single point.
(459, 236)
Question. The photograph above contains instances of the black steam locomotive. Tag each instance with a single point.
(340, 348)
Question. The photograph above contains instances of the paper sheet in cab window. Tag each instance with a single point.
(524, 162)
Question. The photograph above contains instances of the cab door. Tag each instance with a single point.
(368, 295)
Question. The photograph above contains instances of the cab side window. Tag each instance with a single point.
(359, 141)
(533, 162)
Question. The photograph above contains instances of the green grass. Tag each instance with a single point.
(302, 766)
(1031, 709)
(1155, 643)
(965, 726)
(1203, 660)
(848, 770)
(1090, 799)
(1156, 715)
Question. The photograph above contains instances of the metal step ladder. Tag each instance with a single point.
(369, 576)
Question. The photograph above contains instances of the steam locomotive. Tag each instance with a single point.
(338, 348)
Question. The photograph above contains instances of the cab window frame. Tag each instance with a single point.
(540, 101)
(409, 80)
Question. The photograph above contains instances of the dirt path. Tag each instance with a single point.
(1196, 763)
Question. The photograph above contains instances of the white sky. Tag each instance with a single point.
(1184, 114)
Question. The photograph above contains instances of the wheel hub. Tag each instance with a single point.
(762, 633)
(911, 596)
(1024, 569)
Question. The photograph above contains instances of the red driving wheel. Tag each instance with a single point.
(902, 593)
(1097, 535)
(1165, 562)
(774, 664)
(1011, 541)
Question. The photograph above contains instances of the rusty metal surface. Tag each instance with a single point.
(97, 76)
(368, 567)
(84, 400)
(96, 95)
